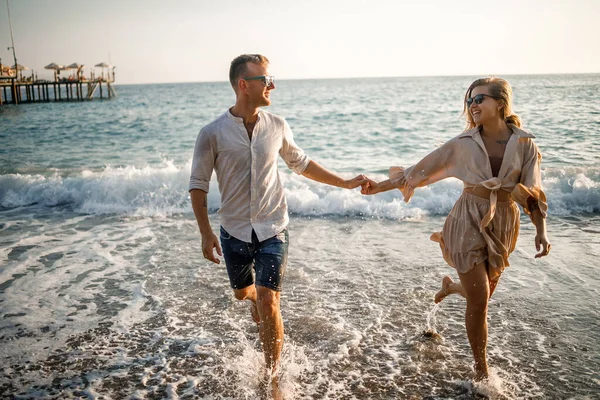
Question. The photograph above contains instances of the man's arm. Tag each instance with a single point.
(297, 160)
(318, 173)
(209, 239)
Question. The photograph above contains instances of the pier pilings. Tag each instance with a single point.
(13, 91)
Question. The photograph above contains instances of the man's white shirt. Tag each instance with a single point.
(252, 196)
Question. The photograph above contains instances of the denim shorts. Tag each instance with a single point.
(266, 260)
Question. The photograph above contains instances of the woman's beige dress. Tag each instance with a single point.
(479, 229)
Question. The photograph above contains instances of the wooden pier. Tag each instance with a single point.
(15, 91)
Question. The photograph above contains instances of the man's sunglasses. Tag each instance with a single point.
(267, 80)
(478, 99)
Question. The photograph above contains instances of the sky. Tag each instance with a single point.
(152, 41)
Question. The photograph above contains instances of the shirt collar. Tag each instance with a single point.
(517, 131)
(238, 120)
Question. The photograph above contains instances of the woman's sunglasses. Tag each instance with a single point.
(268, 80)
(478, 99)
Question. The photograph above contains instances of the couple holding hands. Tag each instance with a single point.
(497, 161)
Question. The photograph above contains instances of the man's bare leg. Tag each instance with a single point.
(477, 291)
(449, 287)
(271, 332)
(249, 293)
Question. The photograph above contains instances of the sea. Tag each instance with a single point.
(104, 293)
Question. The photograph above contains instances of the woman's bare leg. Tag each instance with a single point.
(493, 285)
(477, 292)
(449, 287)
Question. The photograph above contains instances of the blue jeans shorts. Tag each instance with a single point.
(266, 260)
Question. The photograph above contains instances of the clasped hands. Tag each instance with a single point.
(368, 186)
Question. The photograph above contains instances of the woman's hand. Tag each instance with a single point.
(542, 242)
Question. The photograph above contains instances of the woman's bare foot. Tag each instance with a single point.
(445, 290)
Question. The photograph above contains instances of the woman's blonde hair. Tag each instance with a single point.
(500, 90)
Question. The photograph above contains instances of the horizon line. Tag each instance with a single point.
(373, 77)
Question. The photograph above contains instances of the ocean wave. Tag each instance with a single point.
(162, 191)
(129, 190)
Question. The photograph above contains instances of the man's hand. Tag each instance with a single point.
(355, 182)
(541, 241)
(370, 187)
(209, 243)
(317, 173)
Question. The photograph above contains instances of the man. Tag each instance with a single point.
(242, 147)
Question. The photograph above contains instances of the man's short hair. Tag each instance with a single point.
(239, 66)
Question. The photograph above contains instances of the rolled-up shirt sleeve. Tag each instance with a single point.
(529, 190)
(294, 156)
(203, 162)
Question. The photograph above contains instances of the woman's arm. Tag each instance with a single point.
(427, 171)
(541, 237)
(530, 195)
(372, 187)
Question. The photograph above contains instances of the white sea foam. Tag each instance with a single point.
(357, 328)
(57, 277)
(163, 191)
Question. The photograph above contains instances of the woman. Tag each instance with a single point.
(499, 165)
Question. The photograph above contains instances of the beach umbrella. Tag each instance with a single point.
(56, 67)
(76, 66)
(20, 68)
(102, 65)
(53, 66)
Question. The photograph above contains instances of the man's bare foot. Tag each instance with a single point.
(269, 386)
(275, 391)
(481, 376)
(254, 312)
(445, 290)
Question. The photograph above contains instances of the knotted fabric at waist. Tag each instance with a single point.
(484, 193)
(489, 189)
